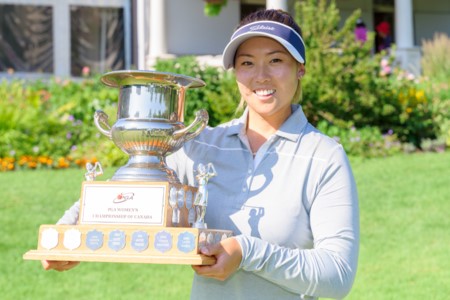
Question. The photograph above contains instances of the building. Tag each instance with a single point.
(63, 37)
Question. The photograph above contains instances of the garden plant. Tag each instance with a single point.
(359, 98)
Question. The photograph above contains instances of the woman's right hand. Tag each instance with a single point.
(59, 266)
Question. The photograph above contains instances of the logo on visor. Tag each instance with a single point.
(262, 27)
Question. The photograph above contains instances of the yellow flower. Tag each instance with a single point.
(63, 163)
(42, 159)
(420, 96)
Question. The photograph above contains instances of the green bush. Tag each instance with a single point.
(435, 60)
(50, 119)
(363, 142)
(220, 96)
(348, 86)
(436, 70)
(349, 93)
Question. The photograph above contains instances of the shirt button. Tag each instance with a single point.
(249, 171)
(244, 189)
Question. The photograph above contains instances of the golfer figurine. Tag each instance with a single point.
(93, 171)
(201, 198)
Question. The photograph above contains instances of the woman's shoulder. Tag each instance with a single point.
(223, 130)
(322, 144)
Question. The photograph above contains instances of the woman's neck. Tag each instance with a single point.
(260, 129)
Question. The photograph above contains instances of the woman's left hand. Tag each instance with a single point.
(228, 254)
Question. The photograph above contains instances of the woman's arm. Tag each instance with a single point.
(327, 270)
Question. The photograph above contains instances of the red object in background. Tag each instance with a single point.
(384, 27)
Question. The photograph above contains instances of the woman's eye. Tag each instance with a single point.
(246, 63)
(275, 60)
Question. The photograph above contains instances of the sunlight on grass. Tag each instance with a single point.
(404, 227)
(404, 237)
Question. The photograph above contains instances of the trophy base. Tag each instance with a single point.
(125, 244)
(123, 258)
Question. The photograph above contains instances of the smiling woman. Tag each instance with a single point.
(285, 189)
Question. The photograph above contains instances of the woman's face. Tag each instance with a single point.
(267, 77)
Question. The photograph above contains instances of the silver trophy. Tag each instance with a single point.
(149, 122)
(144, 214)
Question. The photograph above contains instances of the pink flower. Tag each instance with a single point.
(384, 63)
(85, 71)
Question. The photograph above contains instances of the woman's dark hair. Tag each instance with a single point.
(276, 15)
(360, 23)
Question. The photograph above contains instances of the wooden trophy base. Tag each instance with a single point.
(125, 244)
(130, 222)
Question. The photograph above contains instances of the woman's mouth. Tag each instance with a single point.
(264, 93)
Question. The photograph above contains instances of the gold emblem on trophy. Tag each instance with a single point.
(143, 214)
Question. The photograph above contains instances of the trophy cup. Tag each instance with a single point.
(143, 214)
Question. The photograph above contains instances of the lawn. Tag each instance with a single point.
(405, 237)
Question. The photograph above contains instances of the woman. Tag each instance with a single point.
(284, 189)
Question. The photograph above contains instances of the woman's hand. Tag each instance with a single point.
(228, 254)
(59, 265)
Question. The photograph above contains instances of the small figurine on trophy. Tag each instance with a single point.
(201, 199)
(93, 171)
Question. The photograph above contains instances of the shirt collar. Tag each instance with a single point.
(291, 128)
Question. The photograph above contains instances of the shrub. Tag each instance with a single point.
(435, 61)
(363, 142)
(436, 68)
(45, 123)
(348, 86)
(359, 98)
(219, 97)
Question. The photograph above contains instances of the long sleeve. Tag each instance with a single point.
(327, 270)
(70, 216)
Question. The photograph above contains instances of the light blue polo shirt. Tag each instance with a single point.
(293, 209)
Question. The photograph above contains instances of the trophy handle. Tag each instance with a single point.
(201, 117)
(101, 118)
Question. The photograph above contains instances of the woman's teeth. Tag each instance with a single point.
(264, 92)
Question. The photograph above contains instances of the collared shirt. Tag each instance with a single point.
(293, 209)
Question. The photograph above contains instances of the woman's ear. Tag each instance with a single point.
(301, 71)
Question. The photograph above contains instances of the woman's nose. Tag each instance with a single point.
(262, 74)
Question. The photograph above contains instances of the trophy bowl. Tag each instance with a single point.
(149, 122)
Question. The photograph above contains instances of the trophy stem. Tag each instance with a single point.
(145, 168)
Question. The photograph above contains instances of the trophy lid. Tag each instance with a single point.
(140, 77)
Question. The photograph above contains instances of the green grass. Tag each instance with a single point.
(405, 237)
(405, 227)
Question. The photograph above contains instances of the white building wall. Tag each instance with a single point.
(430, 16)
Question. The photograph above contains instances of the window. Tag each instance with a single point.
(97, 39)
(26, 38)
